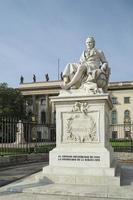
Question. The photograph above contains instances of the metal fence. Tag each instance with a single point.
(21, 136)
(122, 137)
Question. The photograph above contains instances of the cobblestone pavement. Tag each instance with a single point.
(13, 173)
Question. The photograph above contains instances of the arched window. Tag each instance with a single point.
(127, 125)
(126, 115)
(114, 117)
(43, 117)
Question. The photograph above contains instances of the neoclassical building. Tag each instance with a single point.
(38, 99)
(43, 111)
(121, 116)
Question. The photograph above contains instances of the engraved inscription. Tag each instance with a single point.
(78, 158)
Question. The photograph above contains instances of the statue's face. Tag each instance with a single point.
(90, 43)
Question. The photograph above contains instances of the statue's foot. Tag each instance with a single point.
(65, 86)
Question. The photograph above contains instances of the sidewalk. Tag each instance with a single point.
(29, 188)
(16, 172)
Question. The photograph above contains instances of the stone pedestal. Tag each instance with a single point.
(83, 154)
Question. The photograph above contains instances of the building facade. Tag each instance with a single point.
(121, 115)
(39, 106)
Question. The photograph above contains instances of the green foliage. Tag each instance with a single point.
(44, 148)
(121, 142)
(12, 151)
(11, 101)
(38, 149)
(122, 145)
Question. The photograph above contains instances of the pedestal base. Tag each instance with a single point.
(84, 167)
(80, 156)
(79, 176)
(83, 155)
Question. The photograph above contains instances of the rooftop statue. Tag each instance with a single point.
(91, 73)
(34, 78)
(21, 80)
(47, 77)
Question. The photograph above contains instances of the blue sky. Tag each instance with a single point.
(35, 33)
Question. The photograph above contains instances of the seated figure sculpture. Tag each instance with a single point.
(91, 73)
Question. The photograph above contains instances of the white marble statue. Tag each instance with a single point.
(20, 133)
(91, 73)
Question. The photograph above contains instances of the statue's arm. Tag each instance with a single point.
(104, 62)
(82, 58)
(102, 57)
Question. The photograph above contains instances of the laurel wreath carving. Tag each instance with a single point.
(90, 136)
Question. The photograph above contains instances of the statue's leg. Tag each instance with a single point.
(66, 79)
(77, 77)
(69, 72)
(66, 74)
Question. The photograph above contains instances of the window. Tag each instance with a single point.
(43, 117)
(114, 135)
(42, 101)
(39, 136)
(127, 134)
(127, 114)
(114, 117)
(114, 100)
(126, 99)
(127, 124)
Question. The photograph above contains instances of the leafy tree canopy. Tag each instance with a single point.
(11, 101)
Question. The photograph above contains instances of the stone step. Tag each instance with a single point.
(78, 179)
(78, 171)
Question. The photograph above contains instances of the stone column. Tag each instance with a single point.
(39, 111)
(47, 110)
(34, 107)
(52, 113)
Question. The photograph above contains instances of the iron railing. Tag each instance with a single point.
(121, 137)
(21, 136)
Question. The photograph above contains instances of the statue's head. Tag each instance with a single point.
(90, 42)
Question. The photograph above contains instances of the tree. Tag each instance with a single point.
(12, 103)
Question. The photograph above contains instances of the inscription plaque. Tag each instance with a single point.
(78, 158)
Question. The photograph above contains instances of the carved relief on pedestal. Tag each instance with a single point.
(80, 125)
